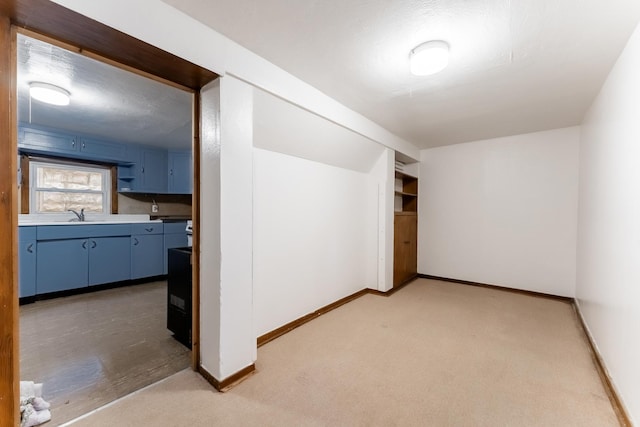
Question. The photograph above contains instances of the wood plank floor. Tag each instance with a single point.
(91, 349)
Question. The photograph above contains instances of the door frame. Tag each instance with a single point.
(61, 26)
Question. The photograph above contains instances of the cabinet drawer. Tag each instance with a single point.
(147, 228)
(81, 231)
(175, 227)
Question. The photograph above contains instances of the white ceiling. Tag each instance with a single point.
(106, 102)
(517, 66)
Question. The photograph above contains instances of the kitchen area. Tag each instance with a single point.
(105, 198)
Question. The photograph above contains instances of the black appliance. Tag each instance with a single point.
(179, 286)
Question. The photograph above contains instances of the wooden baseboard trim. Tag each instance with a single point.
(392, 290)
(603, 372)
(270, 336)
(228, 382)
(567, 300)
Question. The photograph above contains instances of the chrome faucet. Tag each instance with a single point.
(79, 215)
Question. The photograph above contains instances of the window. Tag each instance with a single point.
(60, 186)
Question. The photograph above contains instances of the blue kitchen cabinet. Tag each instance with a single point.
(175, 236)
(109, 259)
(129, 175)
(147, 250)
(102, 150)
(180, 172)
(43, 141)
(27, 261)
(153, 171)
(81, 255)
(62, 265)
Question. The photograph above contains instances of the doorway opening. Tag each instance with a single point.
(93, 316)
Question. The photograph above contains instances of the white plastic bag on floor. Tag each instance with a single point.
(34, 410)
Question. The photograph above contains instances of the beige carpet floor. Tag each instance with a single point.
(433, 354)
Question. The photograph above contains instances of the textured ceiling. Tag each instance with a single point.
(517, 65)
(106, 102)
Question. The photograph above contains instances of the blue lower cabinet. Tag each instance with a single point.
(62, 265)
(109, 259)
(27, 261)
(77, 256)
(147, 255)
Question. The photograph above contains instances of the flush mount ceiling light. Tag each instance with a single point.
(49, 93)
(429, 57)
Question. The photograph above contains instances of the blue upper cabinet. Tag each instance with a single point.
(180, 172)
(43, 141)
(141, 169)
(106, 150)
(153, 171)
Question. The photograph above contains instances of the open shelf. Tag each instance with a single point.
(402, 193)
(406, 193)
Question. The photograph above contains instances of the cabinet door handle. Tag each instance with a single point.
(73, 142)
(84, 245)
(142, 169)
(407, 242)
(135, 242)
(149, 229)
(30, 248)
(93, 244)
(170, 171)
(83, 144)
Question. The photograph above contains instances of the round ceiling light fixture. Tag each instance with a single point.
(429, 57)
(51, 94)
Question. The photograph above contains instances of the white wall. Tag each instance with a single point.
(608, 268)
(502, 211)
(210, 228)
(382, 179)
(226, 290)
(312, 239)
(285, 128)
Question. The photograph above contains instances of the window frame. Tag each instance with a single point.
(105, 170)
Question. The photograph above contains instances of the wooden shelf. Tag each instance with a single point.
(405, 228)
(402, 193)
(404, 175)
(407, 191)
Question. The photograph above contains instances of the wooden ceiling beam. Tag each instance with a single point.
(55, 21)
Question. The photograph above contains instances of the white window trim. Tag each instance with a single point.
(106, 183)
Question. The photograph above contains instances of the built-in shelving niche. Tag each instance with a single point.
(406, 194)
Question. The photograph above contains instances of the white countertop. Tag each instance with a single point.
(91, 219)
